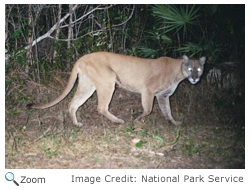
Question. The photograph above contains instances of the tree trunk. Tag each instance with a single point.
(70, 32)
(70, 27)
(57, 31)
(29, 39)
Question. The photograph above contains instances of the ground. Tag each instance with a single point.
(48, 139)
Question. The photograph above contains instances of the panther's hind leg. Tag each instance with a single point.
(105, 94)
(85, 89)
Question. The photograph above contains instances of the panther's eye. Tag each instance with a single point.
(189, 69)
(199, 69)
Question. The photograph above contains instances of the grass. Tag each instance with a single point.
(48, 139)
(113, 147)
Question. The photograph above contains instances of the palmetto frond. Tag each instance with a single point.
(175, 19)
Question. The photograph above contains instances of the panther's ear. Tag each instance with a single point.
(185, 59)
(202, 60)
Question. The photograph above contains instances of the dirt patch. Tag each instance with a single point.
(47, 138)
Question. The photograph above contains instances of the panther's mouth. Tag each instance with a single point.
(193, 81)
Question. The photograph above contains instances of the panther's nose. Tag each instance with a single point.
(194, 80)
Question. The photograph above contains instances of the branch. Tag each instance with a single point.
(46, 35)
(92, 32)
(125, 20)
(97, 8)
(97, 31)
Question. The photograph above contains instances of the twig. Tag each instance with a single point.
(48, 129)
(125, 20)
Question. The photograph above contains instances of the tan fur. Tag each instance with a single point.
(101, 70)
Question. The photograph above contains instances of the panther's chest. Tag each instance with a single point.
(169, 91)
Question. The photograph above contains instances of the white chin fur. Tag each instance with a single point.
(193, 81)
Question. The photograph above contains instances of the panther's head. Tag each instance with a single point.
(193, 68)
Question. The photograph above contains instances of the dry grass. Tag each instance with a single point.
(47, 138)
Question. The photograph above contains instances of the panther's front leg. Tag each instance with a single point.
(164, 104)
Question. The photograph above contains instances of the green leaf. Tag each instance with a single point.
(158, 138)
(190, 48)
(166, 39)
(16, 34)
(140, 144)
(130, 129)
(147, 51)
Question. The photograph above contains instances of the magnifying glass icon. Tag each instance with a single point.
(10, 177)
